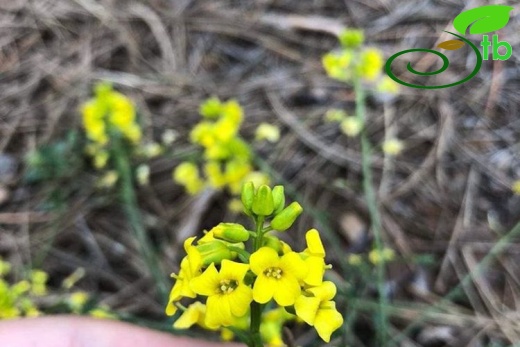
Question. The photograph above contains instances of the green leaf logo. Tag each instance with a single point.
(482, 20)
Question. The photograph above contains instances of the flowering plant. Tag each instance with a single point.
(251, 280)
(227, 157)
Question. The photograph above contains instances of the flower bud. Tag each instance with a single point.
(273, 242)
(213, 252)
(263, 204)
(286, 217)
(278, 199)
(247, 197)
(231, 232)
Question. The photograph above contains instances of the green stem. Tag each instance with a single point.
(256, 308)
(128, 198)
(375, 218)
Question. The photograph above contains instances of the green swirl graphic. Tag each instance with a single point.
(445, 64)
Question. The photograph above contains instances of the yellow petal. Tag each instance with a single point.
(171, 309)
(288, 290)
(306, 308)
(292, 263)
(328, 319)
(241, 297)
(207, 283)
(262, 259)
(264, 288)
(233, 270)
(191, 316)
(325, 292)
(218, 311)
(316, 266)
(314, 243)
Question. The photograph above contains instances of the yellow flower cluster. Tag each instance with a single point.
(107, 115)
(235, 279)
(227, 158)
(17, 300)
(78, 304)
(354, 60)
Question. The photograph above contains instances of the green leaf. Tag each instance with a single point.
(482, 20)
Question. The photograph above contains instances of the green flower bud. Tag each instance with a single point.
(274, 243)
(278, 199)
(247, 197)
(214, 252)
(231, 232)
(286, 218)
(263, 204)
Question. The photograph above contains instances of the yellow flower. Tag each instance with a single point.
(5, 267)
(101, 159)
(142, 174)
(271, 326)
(93, 122)
(337, 64)
(187, 174)
(108, 180)
(393, 147)
(278, 277)
(214, 173)
(267, 132)
(77, 301)
(315, 258)
(194, 314)
(228, 296)
(211, 108)
(376, 257)
(351, 38)
(38, 282)
(388, 86)
(354, 259)
(516, 187)
(168, 137)
(371, 62)
(190, 268)
(316, 308)
(351, 126)
(102, 312)
(122, 111)
(335, 115)
(152, 150)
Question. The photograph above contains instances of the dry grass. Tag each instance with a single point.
(448, 194)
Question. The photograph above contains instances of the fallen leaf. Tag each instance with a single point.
(451, 45)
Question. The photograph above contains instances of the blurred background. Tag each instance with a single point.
(448, 198)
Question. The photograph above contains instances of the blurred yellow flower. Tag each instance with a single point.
(516, 187)
(387, 85)
(351, 38)
(351, 126)
(335, 115)
(393, 146)
(267, 132)
(337, 64)
(376, 257)
(370, 64)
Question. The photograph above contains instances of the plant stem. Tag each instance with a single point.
(375, 218)
(256, 308)
(129, 201)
